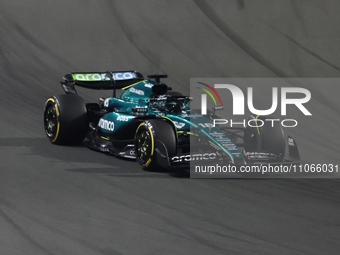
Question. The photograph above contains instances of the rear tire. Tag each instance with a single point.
(65, 119)
(146, 135)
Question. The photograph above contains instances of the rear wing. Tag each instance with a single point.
(100, 80)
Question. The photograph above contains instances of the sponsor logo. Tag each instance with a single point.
(140, 110)
(106, 102)
(103, 77)
(291, 142)
(122, 118)
(104, 149)
(179, 125)
(148, 124)
(232, 147)
(137, 91)
(124, 76)
(195, 115)
(107, 125)
(193, 157)
(206, 125)
(260, 155)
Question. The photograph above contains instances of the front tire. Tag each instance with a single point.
(148, 134)
(65, 119)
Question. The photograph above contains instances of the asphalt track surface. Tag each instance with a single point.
(70, 200)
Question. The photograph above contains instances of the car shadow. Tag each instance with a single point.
(81, 155)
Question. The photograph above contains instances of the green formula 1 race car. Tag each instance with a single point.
(154, 125)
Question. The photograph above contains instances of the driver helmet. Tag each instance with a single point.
(173, 107)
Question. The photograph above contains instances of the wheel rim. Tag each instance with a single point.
(50, 120)
(144, 147)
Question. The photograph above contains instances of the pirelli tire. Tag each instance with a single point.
(267, 137)
(65, 119)
(150, 133)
